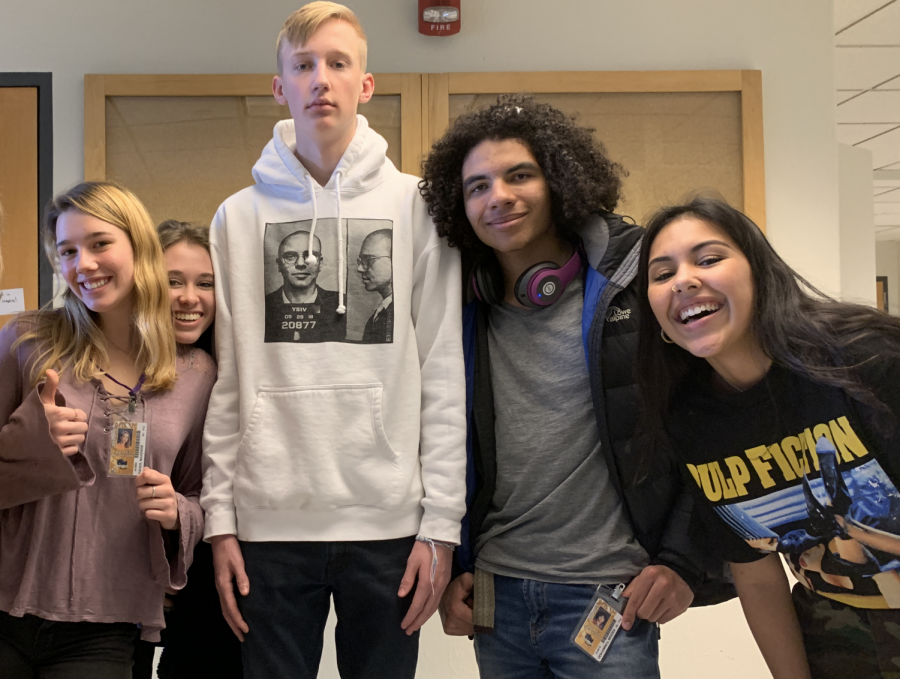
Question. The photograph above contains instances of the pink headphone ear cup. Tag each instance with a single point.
(523, 284)
(544, 283)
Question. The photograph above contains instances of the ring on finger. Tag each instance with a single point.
(152, 492)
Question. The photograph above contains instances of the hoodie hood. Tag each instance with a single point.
(359, 170)
(361, 167)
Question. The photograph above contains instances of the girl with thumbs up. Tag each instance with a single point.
(85, 554)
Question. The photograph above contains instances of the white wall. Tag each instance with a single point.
(857, 225)
(887, 263)
(791, 42)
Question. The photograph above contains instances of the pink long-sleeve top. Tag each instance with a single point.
(73, 543)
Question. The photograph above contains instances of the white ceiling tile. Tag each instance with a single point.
(848, 11)
(887, 207)
(888, 234)
(876, 106)
(858, 68)
(889, 166)
(885, 149)
(886, 184)
(882, 28)
(853, 134)
(842, 95)
(890, 199)
(887, 220)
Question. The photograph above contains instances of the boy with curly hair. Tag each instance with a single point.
(558, 499)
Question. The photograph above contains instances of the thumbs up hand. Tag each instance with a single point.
(67, 425)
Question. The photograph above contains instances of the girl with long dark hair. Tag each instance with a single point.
(88, 544)
(782, 404)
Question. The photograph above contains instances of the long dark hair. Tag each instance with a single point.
(796, 325)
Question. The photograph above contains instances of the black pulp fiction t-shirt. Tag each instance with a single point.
(795, 467)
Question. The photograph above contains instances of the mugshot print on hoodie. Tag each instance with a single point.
(313, 268)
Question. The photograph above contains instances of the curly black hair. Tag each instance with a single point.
(582, 181)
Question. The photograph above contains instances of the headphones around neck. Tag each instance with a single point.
(539, 285)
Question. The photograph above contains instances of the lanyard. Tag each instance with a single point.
(132, 392)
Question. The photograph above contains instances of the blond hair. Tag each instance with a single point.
(71, 337)
(302, 24)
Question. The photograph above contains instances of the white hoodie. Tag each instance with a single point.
(332, 424)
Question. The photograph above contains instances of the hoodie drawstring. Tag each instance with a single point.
(310, 257)
(342, 265)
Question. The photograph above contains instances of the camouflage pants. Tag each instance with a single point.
(843, 642)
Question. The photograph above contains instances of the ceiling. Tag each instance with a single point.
(867, 80)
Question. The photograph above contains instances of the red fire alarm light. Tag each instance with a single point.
(439, 19)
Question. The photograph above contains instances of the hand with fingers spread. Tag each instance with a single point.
(228, 563)
(657, 594)
(456, 607)
(68, 426)
(156, 498)
(426, 599)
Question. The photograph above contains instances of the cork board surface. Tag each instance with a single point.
(19, 196)
(183, 156)
(670, 143)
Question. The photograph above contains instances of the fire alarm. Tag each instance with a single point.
(439, 19)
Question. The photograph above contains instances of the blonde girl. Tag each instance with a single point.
(85, 552)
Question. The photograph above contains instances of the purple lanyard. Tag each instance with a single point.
(132, 392)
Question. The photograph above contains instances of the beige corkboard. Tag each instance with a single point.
(19, 195)
(183, 156)
(670, 143)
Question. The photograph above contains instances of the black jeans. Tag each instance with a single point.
(34, 648)
(197, 642)
(290, 587)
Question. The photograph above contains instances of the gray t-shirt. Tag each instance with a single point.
(555, 515)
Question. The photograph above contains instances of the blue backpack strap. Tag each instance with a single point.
(594, 285)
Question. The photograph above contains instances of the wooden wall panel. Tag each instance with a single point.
(183, 156)
(732, 161)
(670, 143)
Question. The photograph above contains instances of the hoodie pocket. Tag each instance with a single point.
(317, 448)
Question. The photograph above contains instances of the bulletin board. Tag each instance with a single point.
(26, 185)
(184, 143)
(675, 132)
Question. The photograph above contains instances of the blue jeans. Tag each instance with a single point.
(533, 627)
(291, 584)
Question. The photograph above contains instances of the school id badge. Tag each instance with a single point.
(601, 622)
(127, 439)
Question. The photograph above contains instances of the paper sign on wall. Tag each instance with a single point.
(12, 301)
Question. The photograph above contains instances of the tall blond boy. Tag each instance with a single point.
(334, 463)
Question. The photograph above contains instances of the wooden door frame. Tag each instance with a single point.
(437, 88)
(886, 298)
(43, 82)
(425, 105)
(98, 87)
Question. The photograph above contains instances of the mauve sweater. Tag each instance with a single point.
(73, 544)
